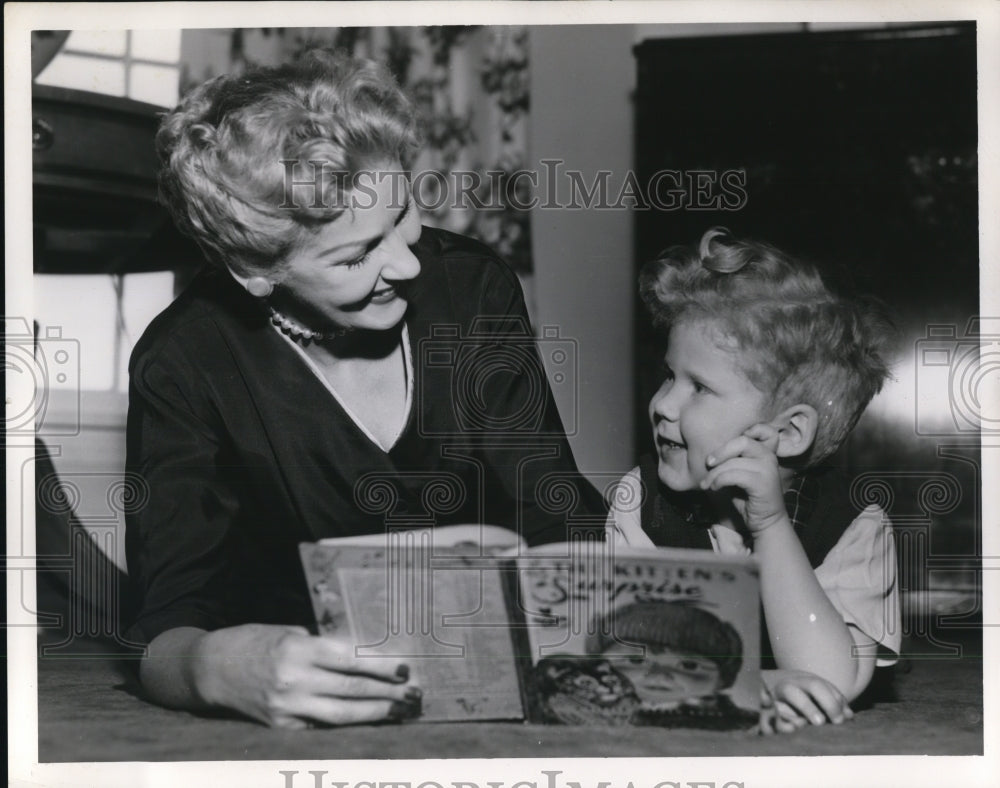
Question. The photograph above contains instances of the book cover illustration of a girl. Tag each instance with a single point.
(667, 664)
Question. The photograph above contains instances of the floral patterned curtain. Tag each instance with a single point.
(471, 87)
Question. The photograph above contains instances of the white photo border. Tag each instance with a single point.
(20, 18)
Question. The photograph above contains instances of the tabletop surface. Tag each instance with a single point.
(90, 709)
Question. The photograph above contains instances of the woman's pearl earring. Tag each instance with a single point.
(259, 287)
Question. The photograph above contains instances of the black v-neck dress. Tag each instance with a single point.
(245, 452)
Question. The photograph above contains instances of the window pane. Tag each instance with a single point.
(81, 307)
(162, 45)
(85, 73)
(155, 84)
(102, 42)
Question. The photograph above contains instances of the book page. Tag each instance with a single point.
(641, 638)
(443, 614)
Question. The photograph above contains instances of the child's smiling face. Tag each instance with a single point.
(705, 401)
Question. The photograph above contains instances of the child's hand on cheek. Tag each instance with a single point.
(749, 463)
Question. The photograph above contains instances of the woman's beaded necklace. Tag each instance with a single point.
(299, 332)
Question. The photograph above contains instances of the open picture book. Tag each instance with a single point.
(570, 633)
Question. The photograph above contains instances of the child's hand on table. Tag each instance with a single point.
(792, 699)
(749, 462)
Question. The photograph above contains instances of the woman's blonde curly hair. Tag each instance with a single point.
(250, 163)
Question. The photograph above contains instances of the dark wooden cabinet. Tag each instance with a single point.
(95, 207)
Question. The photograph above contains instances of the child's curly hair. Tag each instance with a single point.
(799, 342)
(223, 152)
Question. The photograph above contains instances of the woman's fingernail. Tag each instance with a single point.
(403, 671)
(710, 460)
(414, 694)
(403, 710)
(817, 720)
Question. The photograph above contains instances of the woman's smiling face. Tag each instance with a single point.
(346, 275)
(705, 401)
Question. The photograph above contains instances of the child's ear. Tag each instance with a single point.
(796, 427)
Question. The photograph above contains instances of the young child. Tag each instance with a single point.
(767, 371)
